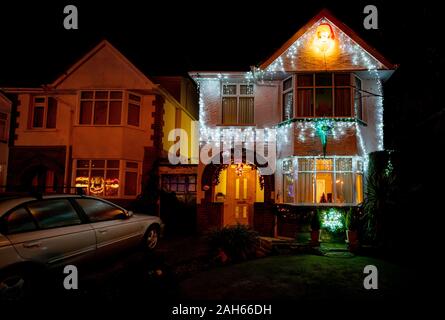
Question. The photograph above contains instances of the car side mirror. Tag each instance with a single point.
(129, 213)
(122, 216)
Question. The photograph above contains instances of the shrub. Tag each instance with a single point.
(315, 221)
(237, 242)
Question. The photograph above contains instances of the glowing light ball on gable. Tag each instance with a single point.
(324, 41)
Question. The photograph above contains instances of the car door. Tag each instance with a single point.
(114, 229)
(50, 231)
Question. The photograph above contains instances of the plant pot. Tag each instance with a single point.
(352, 240)
(315, 237)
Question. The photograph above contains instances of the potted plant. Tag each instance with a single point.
(351, 222)
(315, 229)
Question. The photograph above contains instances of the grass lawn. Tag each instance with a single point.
(299, 277)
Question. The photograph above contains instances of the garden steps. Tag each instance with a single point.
(285, 245)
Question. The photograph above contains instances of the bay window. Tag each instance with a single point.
(98, 177)
(101, 177)
(336, 180)
(100, 107)
(327, 95)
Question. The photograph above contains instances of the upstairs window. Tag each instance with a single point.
(134, 110)
(100, 107)
(288, 99)
(44, 113)
(237, 104)
(324, 95)
(358, 101)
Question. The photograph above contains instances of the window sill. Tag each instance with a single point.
(107, 126)
(40, 130)
(310, 119)
(236, 125)
(319, 204)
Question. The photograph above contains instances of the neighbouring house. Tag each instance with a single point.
(5, 116)
(320, 98)
(102, 126)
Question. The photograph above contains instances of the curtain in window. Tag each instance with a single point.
(246, 110)
(38, 117)
(51, 115)
(323, 102)
(358, 103)
(305, 103)
(229, 112)
(86, 111)
(359, 188)
(342, 102)
(288, 112)
(305, 187)
(114, 114)
(100, 112)
(344, 187)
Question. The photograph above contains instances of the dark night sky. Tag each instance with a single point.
(165, 38)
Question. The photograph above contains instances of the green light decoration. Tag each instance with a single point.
(323, 128)
(332, 219)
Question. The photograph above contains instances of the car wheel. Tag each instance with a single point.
(151, 238)
(13, 286)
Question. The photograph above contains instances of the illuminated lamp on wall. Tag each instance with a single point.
(324, 38)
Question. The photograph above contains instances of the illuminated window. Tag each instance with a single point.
(324, 95)
(44, 112)
(324, 180)
(237, 104)
(98, 177)
(288, 182)
(100, 107)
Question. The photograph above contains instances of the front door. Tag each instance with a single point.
(241, 188)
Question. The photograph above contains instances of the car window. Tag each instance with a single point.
(18, 221)
(54, 213)
(97, 210)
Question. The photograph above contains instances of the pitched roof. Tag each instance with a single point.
(92, 53)
(324, 13)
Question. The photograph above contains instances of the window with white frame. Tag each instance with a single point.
(288, 99)
(316, 180)
(101, 107)
(237, 104)
(98, 177)
(44, 113)
(3, 126)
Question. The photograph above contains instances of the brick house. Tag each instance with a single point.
(322, 94)
(101, 126)
(5, 116)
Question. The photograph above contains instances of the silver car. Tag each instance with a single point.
(53, 231)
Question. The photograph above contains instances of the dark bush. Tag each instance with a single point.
(237, 242)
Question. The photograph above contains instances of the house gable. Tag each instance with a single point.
(103, 67)
(347, 51)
